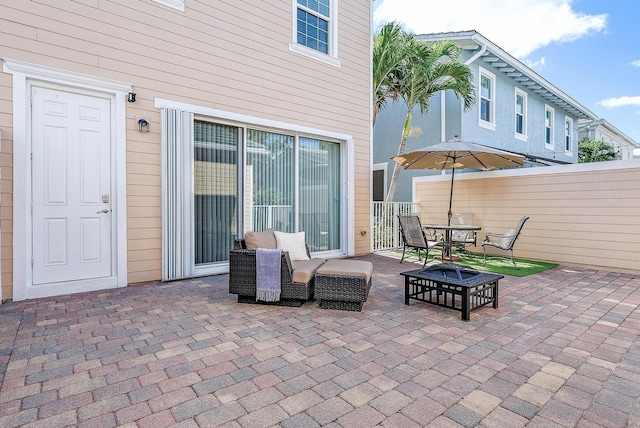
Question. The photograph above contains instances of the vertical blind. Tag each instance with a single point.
(270, 172)
(319, 193)
(215, 190)
(176, 227)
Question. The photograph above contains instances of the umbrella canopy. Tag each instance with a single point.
(457, 154)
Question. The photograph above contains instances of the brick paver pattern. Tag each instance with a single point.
(562, 350)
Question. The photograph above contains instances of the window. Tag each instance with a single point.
(548, 127)
(176, 4)
(313, 22)
(486, 117)
(521, 115)
(379, 182)
(485, 99)
(568, 134)
(315, 30)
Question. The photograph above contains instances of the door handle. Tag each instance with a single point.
(103, 211)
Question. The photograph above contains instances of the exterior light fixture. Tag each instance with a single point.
(132, 97)
(143, 125)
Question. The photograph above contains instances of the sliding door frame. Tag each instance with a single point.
(184, 265)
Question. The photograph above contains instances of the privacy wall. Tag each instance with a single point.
(584, 215)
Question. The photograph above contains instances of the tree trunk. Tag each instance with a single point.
(396, 168)
(375, 113)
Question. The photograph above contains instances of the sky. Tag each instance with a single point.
(586, 48)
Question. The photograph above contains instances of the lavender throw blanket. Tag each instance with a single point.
(268, 274)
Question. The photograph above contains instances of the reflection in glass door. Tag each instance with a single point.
(319, 193)
(269, 181)
(215, 190)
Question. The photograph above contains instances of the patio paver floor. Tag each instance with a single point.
(562, 350)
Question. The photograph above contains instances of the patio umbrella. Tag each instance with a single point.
(457, 154)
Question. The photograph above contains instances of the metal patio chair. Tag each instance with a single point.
(504, 241)
(415, 238)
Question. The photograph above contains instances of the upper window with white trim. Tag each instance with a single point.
(315, 29)
(487, 91)
(521, 115)
(568, 134)
(548, 126)
(176, 4)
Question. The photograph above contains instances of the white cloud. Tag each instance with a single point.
(537, 64)
(518, 27)
(636, 63)
(620, 102)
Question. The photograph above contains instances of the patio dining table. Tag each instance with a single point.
(448, 229)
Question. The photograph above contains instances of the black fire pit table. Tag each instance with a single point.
(452, 286)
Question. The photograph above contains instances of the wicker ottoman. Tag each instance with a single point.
(343, 284)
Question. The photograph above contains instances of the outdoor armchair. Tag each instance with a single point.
(415, 238)
(297, 271)
(504, 241)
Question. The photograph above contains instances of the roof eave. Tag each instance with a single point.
(515, 69)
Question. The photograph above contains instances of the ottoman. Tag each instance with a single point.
(343, 284)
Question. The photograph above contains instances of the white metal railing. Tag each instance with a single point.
(272, 216)
(386, 232)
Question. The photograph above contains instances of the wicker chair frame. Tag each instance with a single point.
(346, 293)
(242, 278)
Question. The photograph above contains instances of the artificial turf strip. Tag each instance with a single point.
(499, 265)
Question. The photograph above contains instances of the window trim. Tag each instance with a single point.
(551, 144)
(176, 4)
(331, 57)
(491, 124)
(520, 93)
(568, 121)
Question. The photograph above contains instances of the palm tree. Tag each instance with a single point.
(431, 68)
(392, 50)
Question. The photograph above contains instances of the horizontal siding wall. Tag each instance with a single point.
(227, 55)
(585, 215)
(6, 188)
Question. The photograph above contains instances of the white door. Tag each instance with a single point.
(71, 189)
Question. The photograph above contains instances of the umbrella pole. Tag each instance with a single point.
(450, 214)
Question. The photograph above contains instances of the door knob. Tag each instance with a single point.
(103, 211)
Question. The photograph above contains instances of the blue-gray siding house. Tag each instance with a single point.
(516, 110)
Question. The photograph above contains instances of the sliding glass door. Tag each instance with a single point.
(275, 180)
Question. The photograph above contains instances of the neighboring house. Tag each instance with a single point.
(516, 110)
(140, 138)
(600, 129)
